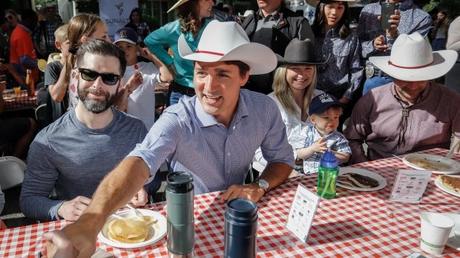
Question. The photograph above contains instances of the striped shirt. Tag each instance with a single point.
(335, 141)
(217, 156)
(412, 19)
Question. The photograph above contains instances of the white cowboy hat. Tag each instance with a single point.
(412, 59)
(177, 4)
(227, 41)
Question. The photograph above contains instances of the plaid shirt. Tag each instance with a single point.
(335, 142)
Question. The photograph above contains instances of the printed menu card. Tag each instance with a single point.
(410, 185)
(303, 209)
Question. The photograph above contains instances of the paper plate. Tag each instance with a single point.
(435, 163)
(157, 233)
(441, 186)
(380, 179)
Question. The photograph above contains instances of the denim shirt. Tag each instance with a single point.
(412, 19)
(341, 75)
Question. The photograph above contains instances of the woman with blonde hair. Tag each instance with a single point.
(193, 16)
(294, 85)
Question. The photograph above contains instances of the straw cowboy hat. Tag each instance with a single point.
(300, 52)
(412, 59)
(177, 4)
(227, 41)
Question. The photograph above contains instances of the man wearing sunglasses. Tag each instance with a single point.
(74, 153)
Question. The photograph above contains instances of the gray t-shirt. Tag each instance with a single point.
(72, 159)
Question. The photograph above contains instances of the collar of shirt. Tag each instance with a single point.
(423, 96)
(275, 15)
(209, 120)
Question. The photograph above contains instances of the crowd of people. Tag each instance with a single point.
(269, 89)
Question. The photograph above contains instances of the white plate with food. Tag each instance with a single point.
(449, 184)
(126, 230)
(358, 179)
(435, 163)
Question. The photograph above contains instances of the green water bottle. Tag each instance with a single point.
(327, 175)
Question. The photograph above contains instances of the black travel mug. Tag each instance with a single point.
(179, 206)
(240, 229)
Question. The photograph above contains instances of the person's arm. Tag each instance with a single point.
(159, 41)
(165, 75)
(318, 146)
(57, 90)
(424, 26)
(358, 129)
(274, 173)
(121, 100)
(278, 153)
(39, 181)
(356, 73)
(117, 188)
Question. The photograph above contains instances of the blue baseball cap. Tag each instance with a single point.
(126, 34)
(320, 103)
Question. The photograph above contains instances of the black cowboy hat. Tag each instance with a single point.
(300, 52)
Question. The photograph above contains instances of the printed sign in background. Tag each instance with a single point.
(115, 13)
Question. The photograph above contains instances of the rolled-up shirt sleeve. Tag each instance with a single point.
(160, 142)
(275, 146)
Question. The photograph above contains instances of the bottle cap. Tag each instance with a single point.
(241, 208)
(180, 182)
(328, 160)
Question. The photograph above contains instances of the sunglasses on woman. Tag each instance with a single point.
(91, 75)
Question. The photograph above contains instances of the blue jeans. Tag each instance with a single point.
(174, 97)
(375, 82)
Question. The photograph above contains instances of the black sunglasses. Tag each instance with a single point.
(90, 75)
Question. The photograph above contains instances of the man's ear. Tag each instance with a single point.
(84, 39)
(244, 79)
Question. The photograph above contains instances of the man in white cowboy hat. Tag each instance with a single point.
(412, 113)
(212, 135)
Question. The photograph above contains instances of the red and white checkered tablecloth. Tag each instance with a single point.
(360, 224)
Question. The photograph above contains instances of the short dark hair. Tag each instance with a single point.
(243, 67)
(103, 48)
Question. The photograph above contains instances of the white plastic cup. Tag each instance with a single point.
(435, 230)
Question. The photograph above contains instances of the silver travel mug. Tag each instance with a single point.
(179, 206)
(240, 229)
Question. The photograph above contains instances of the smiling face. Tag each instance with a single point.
(205, 8)
(217, 87)
(96, 95)
(333, 12)
(328, 121)
(299, 77)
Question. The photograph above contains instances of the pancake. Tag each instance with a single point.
(129, 230)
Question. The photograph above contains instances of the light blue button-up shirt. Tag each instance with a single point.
(216, 156)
